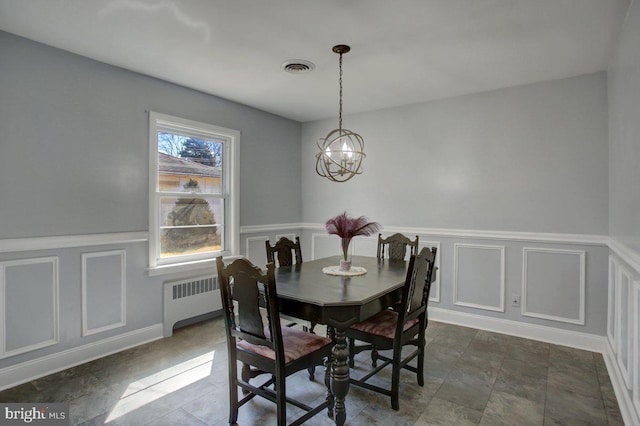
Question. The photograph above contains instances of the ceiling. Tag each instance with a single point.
(403, 51)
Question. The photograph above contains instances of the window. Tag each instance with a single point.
(193, 200)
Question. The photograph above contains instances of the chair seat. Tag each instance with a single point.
(297, 343)
(383, 324)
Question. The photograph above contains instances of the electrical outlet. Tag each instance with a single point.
(515, 300)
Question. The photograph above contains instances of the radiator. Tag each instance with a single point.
(190, 298)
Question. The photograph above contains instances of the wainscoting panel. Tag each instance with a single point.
(256, 251)
(611, 303)
(624, 332)
(556, 272)
(364, 246)
(479, 276)
(324, 245)
(29, 299)
(622, 354)
(104, 291)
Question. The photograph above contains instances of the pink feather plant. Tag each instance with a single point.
(347, 227)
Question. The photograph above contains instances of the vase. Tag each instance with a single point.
(345, 265)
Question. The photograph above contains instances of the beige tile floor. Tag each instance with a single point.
(472, 377)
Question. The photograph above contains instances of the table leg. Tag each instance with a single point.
(327, 375)
(340, 376)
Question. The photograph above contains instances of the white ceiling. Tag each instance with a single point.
(403, 51)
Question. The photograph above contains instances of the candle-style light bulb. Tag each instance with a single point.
(345, 150)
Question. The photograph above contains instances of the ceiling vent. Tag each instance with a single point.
(297, 66)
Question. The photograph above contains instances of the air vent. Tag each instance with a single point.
(297, 66)
(192, 288)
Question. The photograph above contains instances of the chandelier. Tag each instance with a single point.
(341, 151)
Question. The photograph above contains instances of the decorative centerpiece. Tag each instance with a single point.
(346, 228)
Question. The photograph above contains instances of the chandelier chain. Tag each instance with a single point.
(340, 81)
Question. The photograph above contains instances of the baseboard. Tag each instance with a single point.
(40, 367)
(541, 333)
(629, 415)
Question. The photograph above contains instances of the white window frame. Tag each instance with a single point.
(230, 191)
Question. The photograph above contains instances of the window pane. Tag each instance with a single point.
(187, 164)
(190, 226)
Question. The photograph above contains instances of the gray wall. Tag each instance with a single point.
(530, 158)
(74, 161)
(623, 328)
(624, 135)
(74, 147)
(511, 185)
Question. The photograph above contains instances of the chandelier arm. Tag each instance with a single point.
(324, 160)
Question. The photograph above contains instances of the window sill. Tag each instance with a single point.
(193, 266)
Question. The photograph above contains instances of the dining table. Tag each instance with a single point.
(306, 292)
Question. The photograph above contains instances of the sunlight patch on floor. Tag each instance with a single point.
(155, 386)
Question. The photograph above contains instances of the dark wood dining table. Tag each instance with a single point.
(338, 302)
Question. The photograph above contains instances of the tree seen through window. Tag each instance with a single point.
(189, 165)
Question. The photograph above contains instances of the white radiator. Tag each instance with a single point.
(190, 298)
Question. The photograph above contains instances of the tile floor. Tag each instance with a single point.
(472, 377)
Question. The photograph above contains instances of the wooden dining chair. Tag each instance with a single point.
(395, 246)
(391, 329)
(264, 349)
(285, 250)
